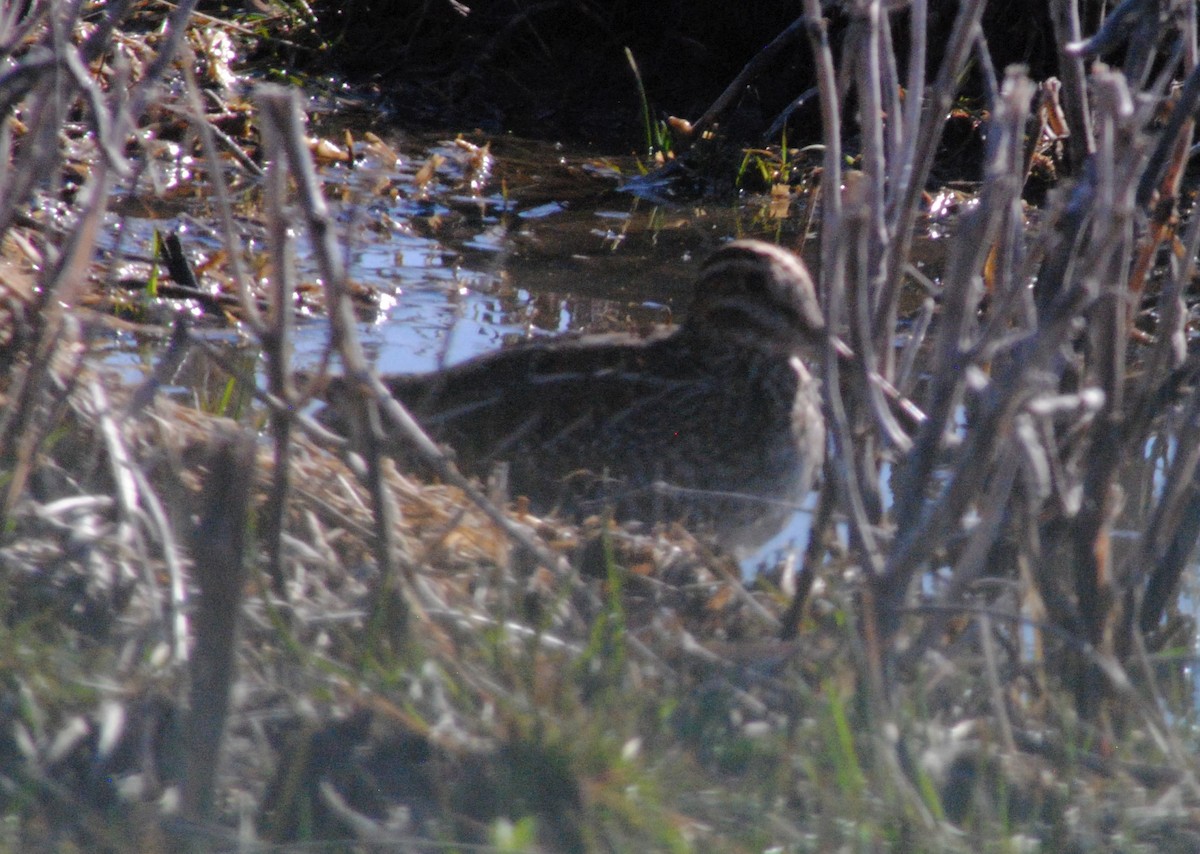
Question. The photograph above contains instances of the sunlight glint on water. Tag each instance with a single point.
(458, 275)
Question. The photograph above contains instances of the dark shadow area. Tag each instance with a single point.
(559, 69)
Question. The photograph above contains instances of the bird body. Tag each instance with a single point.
(716, 422)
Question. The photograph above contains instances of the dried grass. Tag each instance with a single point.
(988, 650)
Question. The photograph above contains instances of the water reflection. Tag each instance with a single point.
(469, 251)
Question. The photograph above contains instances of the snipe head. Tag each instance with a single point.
(756, 295)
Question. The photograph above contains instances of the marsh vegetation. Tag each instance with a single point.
(221, 629)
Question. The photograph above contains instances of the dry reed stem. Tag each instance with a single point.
(1030, 424)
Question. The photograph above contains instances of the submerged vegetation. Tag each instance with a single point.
(221, 630)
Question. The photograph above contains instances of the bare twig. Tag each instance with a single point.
(751, 70)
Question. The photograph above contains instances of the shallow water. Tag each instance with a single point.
(563, 250)
(469, 249)
(547, 244)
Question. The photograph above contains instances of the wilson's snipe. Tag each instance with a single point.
(716, 422)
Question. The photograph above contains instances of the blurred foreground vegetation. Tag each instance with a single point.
(221, 632)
